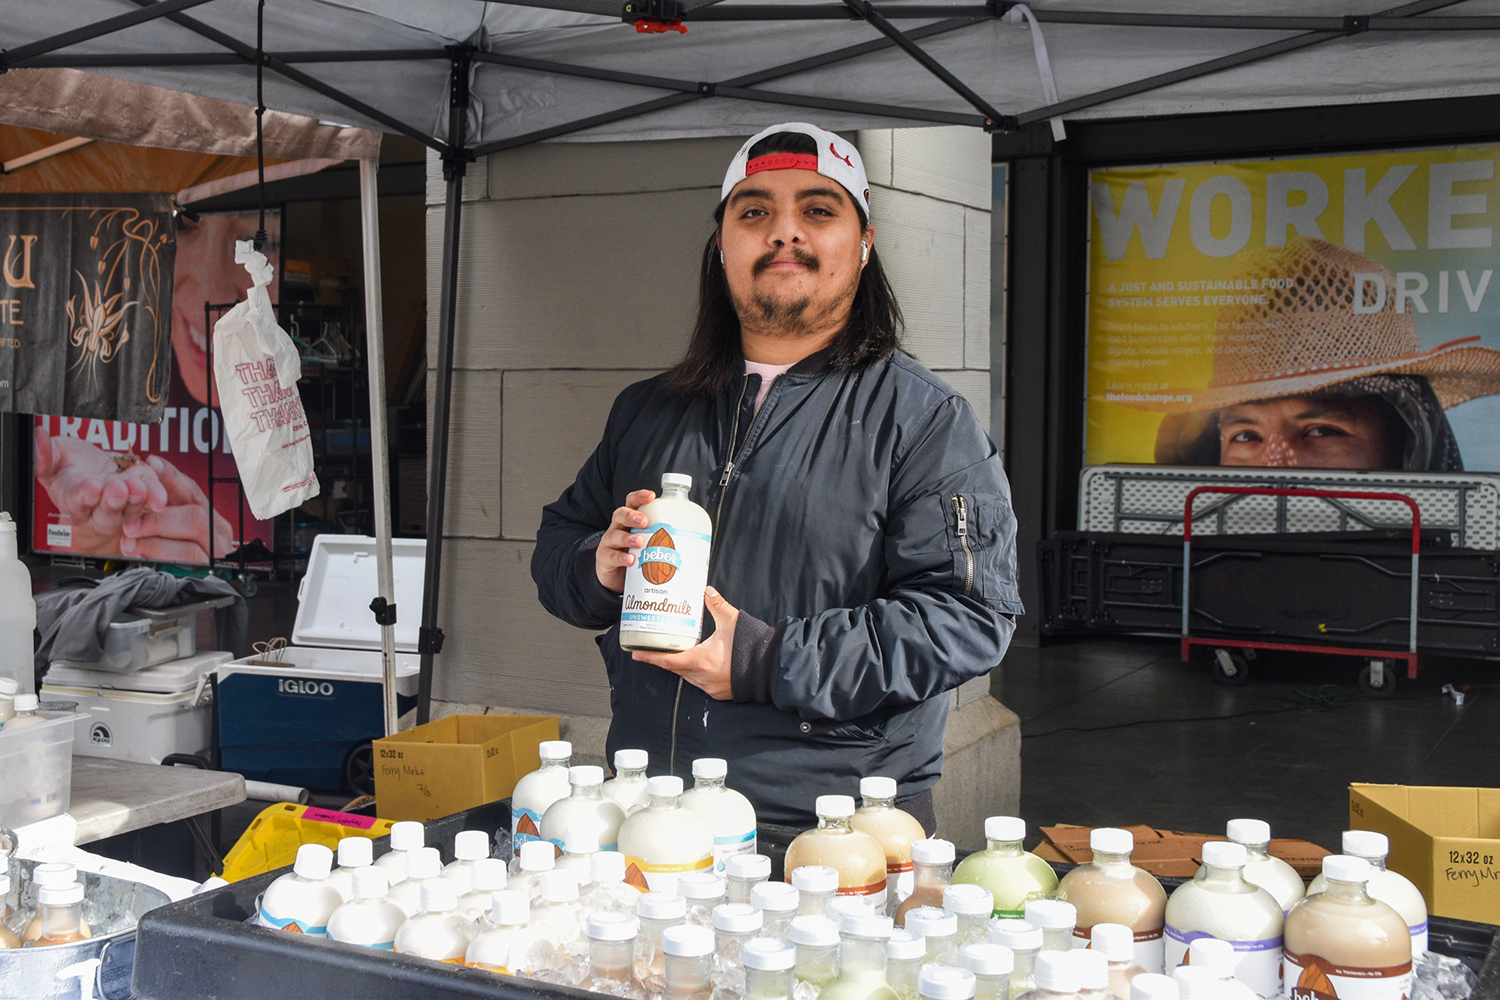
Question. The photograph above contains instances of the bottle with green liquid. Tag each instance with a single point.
(1013, 876)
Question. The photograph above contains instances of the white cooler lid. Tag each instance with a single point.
(333, 600)
(164, 678)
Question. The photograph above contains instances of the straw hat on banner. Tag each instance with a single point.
(1307, 342)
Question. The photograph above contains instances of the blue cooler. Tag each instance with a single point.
(308, 720)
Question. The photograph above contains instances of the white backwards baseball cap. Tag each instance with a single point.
(837, 160)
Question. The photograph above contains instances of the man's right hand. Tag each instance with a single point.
(618, 546)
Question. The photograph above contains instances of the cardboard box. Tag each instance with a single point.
(1445, 839)
(1169, 853)
(456, 763)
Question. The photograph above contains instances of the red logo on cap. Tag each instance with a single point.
(835, 152)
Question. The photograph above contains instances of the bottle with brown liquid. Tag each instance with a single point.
(894, 829)
(51, 873)
(1341, 943)
(1111, 890)
(856, 856)
(932, 870)
(60, 910)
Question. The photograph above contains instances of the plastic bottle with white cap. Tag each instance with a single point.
(940, 929)
(703, 891)
(729, 815)
(905, 954)
(608, 890)
(992, 965)
(45, 874)
(689, 958)
(655, 912)
(406, 836)
(734, 924)
(17, 611)
(1025, 942)
(1271, 874)
(778, 904)
(436, 931)
(422, 865)
(537, 858)
(665, 839)
(27, 707)
(59, 911)
(1056, 977)
(8, 937)
(1198, 982)
(558, 917)
(353, 854)
(505, 941)
(1385, 885)
(816, 885)
(945, 982)
(612, 953)
(768, 969)
(817, 941)
(743, 872)
(1223, 959)
(1116, 942)
(894, 830)
(1154, 986)
(1109, 889)
(367, 918)
(585, 803)
(972, 905)
(628, 786)
(1342, 942)
(862, 959)
(932, 870)
(835, 843)
(302, 900)
(1011, 874)
(468, 847)
(1093, 974)
(1057, 921)
(662, 604)
(536, 791)
(580, 844)
(487, 877)
(9, 688)
(1218, 902)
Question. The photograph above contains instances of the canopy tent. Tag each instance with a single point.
(468, 78)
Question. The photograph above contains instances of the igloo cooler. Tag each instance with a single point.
(308, 719)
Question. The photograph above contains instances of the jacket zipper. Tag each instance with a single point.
(961, 509)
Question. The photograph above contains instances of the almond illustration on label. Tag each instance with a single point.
(293, 928)
(1315, 980)
(634, 877)
(659, 572)
(527, 825)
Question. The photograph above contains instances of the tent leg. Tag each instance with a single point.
(369, 210)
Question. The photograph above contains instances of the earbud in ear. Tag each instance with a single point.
(721, 256)
(864, 252)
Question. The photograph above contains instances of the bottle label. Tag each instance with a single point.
(874, 892)
(562, 848)
(1150, 950)
(648, 877)
(900, 877)
(1311, 977)
(664, 589)
(1418, 939)
(727, 847)
(1258, 963)
(292, 924)
(525, 824)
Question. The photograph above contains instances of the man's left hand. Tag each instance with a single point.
(706, 665)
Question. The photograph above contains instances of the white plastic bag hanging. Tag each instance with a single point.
(256, 366)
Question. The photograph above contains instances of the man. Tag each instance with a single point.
(863, 547)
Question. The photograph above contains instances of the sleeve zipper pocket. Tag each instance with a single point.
(961, 511)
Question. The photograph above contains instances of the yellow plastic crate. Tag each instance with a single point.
(272, 839)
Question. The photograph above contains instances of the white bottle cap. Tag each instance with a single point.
(471, 845)
(9, 686)
(488, 875)
(877, 787)
(1343, 868)
(1197, 982)
(1005, 828)
(664, 786)
(1115, 942)
(930, 921)
(944, 982)
(634, 760)
(676, 479)
(660, 906)
(586, 775)
(63, 895)
(1153, 986)
(314, 861)
(1051, 914)
(61, 873)
(1248, 831)
(932, 851)
(27, 702)
(687, 941)
(834, 806)
(813, 932)
(607, 867)
(775, 897)
(865, 925)
(968, 900)
(837, 907)
(905, 945)
(701, 885)
(355, 852)
(370, 882)
(605, 925)
(510, 907)
(1093, 969)
(425, 862)
(1056, 971)
(815, 878)
(538, 856)
(554, 750)
(408, 835)
(1366, 844)
(745, 866)
(1224, 854)
(991, 959)
(438, 895)
(559, 887)
(1215, 954)
(710, 767)
(1017, 935)
(769, 955)
(738, 918)
(1111, 840)
(581, 838)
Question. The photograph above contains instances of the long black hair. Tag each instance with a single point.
(714, 357)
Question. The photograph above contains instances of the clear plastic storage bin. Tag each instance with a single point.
(36, 768)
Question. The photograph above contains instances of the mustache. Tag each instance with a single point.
(798, 254)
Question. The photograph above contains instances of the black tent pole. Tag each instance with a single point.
(430, 638)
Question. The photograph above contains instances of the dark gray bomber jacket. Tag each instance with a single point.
(862, 525)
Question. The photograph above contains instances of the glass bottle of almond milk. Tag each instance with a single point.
(1111, 890)
(663, 600)
(1385, 885)
(894, 829)
(1341, 943)
(835, 843)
